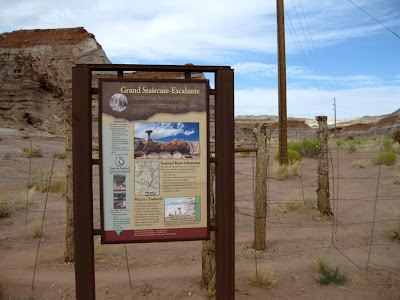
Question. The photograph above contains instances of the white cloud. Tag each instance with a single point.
(186, 30)
(161, 130)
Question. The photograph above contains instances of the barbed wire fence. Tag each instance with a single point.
(352, 232)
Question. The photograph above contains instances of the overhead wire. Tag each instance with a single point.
(375, 19)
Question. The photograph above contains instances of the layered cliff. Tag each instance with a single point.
(36, 72)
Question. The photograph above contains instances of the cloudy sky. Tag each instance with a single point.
(333, 48)
(166, 132)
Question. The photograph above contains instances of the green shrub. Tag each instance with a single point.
(352, 148)
(387, 144)
(387, 158)
(341, 143)
(306, 147)
(34, 152)
(329, 275)
(396, 225)
(293, 156)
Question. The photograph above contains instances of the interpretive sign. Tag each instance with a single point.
(154, 160)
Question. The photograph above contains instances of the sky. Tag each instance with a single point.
(166, 132)
(334, 50)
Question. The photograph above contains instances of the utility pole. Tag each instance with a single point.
(283, 156)
(334, 109)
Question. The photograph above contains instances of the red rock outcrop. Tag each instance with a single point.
(36, 72)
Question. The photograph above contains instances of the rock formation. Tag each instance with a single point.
(36, 72)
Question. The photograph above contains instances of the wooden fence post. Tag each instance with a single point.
(208, 255)
(69, 254)
(323, 202)
(260, 134)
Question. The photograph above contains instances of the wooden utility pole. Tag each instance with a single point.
(323, 203)
(69, 254)
(283, 157)
(260, 222)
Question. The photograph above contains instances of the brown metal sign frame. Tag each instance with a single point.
(83, 163)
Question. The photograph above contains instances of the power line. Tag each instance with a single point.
(374, 19)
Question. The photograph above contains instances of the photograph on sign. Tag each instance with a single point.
(154, 160)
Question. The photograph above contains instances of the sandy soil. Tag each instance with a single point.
(173, 270)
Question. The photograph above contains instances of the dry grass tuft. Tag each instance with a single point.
(34, 152)
(322, 259)
(58, 182)
(396, 179)
(36, 227)
(286, 171)
(5, 208)
(209, 289)
(26, 201)
(60, 155)
(264, 277)
(396, 224)
(103, 253)
(295, 203)
(359, 163)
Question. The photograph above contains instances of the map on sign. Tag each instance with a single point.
(147, 178)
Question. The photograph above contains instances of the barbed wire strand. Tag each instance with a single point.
(41, 225)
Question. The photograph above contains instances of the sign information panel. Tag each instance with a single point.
(154, 160)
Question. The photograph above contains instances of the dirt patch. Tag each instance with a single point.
(172, 270)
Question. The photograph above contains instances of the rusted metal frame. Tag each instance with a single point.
(83, 210)
(82, 179)
(225, 195)
(153, 68)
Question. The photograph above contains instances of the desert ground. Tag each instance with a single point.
(360, 240)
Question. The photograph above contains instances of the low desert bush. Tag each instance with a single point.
(359, 163)
(387, 158)
(264, 277)
(329, 275)
(396, 179)
(209, 289)
(352, 148)
(5, 208)
(306, 147)
(295, 203)
(387, 144)
(36, 227)
(293, 156)
(60, 155)
(58, 182)
(286, 171)
(341, 143)
(322, 260)
(34, 152)
(396, 224)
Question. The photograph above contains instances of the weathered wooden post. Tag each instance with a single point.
(208, 255)
(260, 134)
(323, 202)
(69, 254)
